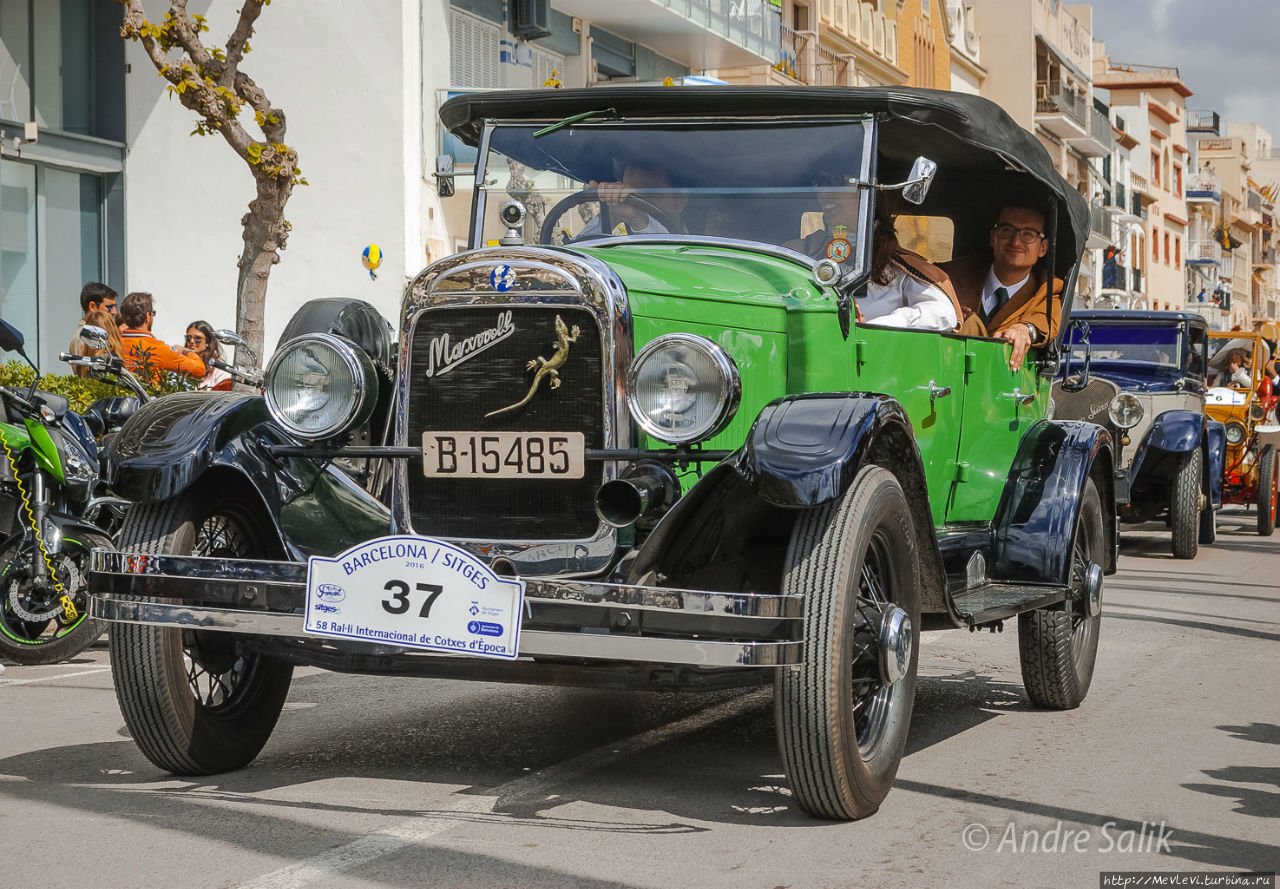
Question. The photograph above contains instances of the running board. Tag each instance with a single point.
(991, 602)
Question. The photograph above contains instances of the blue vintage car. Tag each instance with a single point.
(1143, 376)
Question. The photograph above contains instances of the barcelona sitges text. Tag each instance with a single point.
(430, 555)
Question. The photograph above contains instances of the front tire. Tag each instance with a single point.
(842, 724)
(1184, 505)
(1058, 645)
(34, 627)
(1267, 473)
(196, 702)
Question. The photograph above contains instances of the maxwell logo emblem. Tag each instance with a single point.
(502, 278)
(546, 367)
(444, 354)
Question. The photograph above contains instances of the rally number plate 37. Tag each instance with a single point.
(415, 592)
(504, 455)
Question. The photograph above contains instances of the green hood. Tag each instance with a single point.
(729, 286)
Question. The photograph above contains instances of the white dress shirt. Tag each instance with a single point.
(907, 302)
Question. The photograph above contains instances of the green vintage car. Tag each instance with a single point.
(634, 438)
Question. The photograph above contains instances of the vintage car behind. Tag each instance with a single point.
(1248, 409)
(663, 461)
(1143, 376)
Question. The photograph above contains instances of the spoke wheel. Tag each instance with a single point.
(1059, 645)
(196, 702)
(843, 714)
(34, 626)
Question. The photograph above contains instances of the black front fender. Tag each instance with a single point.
(1035, 522)
(193, 442)
(805, 450)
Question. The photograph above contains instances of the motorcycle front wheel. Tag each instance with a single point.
(36, 627)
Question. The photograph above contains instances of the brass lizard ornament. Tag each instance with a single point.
(546, 367)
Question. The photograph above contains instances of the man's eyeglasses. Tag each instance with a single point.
(1004, 231)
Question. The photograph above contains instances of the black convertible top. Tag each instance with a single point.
(978, 147)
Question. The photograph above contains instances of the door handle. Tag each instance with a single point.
(1022, 398)
(935, 391)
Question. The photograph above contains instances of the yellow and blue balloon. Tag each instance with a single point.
(371, 258)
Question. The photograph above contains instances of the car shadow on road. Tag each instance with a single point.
(1261, 732)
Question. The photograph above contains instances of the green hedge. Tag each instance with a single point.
(83, 391)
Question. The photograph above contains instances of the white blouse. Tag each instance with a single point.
(907, 302)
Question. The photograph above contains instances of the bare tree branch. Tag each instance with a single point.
(249, 12)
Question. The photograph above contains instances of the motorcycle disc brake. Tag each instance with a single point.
(42, 604)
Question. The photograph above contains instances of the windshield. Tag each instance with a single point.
(1232, 361)
(1140, 348)
(779, 183)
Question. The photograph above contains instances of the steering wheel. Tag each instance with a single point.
(587, 195)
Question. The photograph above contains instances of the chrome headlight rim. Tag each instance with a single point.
(1239, 430)
(1127, 399)
(364, 385)
(729, 394)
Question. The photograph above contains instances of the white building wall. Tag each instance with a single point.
(348, 75)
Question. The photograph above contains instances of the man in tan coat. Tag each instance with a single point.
(1006, 296)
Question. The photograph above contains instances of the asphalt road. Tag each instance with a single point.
(1171, 764)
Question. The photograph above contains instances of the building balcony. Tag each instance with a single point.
(1100, 228)
(1204, 253)
(1265, 259)
(1206, 122)
(1203, 186)
(1061, 110)
(1100, 140)
(698, 33)
(1215, 315)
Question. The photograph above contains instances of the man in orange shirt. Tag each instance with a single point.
(143, 353)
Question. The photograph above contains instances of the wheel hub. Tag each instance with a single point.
(1093, 589)
(895, 645)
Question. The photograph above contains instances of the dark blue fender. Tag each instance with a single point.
(1175, 432)
(1215, 464)
(1036, 517)
(804, 450)
(197, 442)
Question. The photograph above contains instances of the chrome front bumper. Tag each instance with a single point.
(581, 620)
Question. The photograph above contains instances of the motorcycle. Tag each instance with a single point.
(54, 506)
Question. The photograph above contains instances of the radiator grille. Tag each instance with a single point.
(492, 378)
(1089, 403)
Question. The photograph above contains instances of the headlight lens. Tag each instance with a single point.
(1235, 432)
(683, 388)
(1125, 410)
(319, 385)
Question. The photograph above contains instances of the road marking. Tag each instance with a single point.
(417, 830)
(54, 678)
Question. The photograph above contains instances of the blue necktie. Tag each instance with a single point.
(1002, 296)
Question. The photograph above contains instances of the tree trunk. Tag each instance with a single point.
(265, 233)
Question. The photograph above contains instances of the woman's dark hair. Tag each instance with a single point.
(211, 348)
(884, 238)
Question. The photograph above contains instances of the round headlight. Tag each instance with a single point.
(1125, 410)
(1257, 413)
(319, 385)
(683, 388)
(1235, 432)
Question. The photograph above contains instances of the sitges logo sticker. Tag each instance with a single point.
(444, 354)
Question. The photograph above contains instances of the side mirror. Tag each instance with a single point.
(917, 185)
(444, 176)
(230, 337)
(11, 339)
(94, 337)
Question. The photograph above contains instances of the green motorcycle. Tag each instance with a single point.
(54, 510)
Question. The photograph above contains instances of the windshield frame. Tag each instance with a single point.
(482, 206)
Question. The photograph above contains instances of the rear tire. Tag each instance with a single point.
(1059, 645)
(1184, 505)
(842, 727)
(196, 702)
(1267, 472)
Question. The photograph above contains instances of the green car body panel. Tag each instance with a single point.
(782, 331)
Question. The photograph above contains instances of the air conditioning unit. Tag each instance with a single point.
(530, 18)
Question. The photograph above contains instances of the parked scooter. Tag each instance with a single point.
(54, 507)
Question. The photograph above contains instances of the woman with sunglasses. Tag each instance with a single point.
(201, 340)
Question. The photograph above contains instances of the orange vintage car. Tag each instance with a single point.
(1242, 398)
